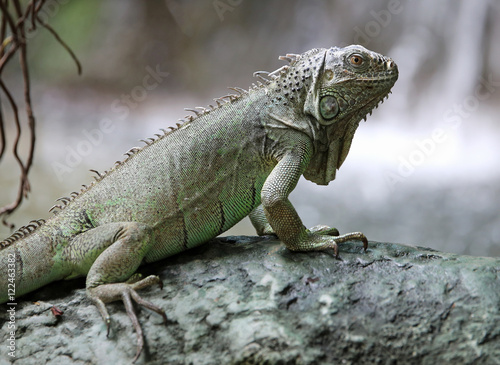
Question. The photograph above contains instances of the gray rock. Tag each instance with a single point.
(248, 300)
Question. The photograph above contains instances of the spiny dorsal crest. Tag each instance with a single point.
(264, 76)
(198, 112)
(21, 232)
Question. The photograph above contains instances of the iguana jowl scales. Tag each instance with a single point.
(241, 158)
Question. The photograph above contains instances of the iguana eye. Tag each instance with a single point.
(328, 107)
(356, 60)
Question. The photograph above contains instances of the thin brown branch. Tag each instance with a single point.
(27, 12)
(5, 58)
(30, 115)
(8, 20)
(17, 6)
(7, 16)
(9, 208)
(39, 6)
(3, 33)
(2, 133)
(33, 14)
(62, 43)
(15, 22)
(15, 111)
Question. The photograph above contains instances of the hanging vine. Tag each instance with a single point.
(16, 22)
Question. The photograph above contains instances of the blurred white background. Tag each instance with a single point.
(423, 170)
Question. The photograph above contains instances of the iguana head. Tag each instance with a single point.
(347, 84)
(338, 88)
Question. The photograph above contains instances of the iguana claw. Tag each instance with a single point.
(125, 292)
(351, 236)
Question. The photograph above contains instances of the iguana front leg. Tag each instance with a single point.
(262, 226)
(114, 251)
(282, 216)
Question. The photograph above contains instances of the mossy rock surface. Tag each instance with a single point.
(248, 300)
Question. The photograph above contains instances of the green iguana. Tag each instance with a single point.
(242, 157)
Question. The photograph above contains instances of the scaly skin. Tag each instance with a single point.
(242, 158)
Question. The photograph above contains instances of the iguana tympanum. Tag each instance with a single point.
(242, 157)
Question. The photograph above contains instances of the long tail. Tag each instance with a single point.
(27, 264)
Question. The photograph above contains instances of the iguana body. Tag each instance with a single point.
(243, 157)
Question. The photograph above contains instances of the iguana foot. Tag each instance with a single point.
(344, 238)
(125, 292)
(321, 238)
(327, 231)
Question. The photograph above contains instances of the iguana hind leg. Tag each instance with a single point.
(259, 221)
(115, 251)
